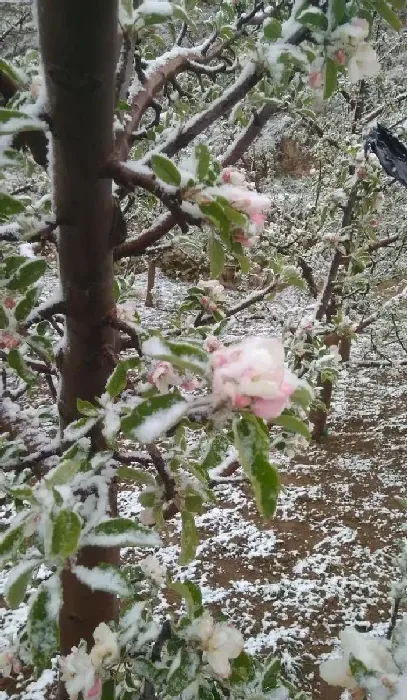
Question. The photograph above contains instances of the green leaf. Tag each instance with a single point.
(4, 321)
(18, 364)
(179, 674)
(181, 354)
(272, 30)
(7, 69)
(109, 689)
(388, 14)
(86, 408)
(9, 206)
(302, 397)
(153, 417)
(216, 452)
(12, 263)
(252, 443)
(123, 532)
(293, 425)
(331, 78)
(271, 676)
(339, 10)
(165, 170)
(398, 4)
(216, 257)
(65, 534)
(9, 542)
(118, 379)
(26, 305)
(42, 628)
(123, 106)
(192, 595)
(27, 274)
(140, 476)
(216, 214)
(18, 580)
(7, 114)
(358, 668)
(189, 538)
(64, 473)
(313, 18)
(243, 669)
(203, 158)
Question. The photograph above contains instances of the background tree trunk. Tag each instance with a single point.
(78, 46)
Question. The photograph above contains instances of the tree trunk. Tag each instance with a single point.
(319, 416)
(78, 47)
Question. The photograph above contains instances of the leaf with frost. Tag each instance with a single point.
(189, 538)
(181, 672)
(165, 170)
(118, 379)
(131, 621)
(293, 425)
(106, 578)
(9, 206)
(27, 274)
(19, 365)
(86, 408)
(10, 541)
(192, 596)
(42, 629)
(154, 417)
(122, 532)
(139, 476)
(79, 428)
(181, 354)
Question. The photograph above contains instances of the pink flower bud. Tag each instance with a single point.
(340, 57)
(212, 307)
(212, 343)
(205, 301)
(315, 79)
(9, 303)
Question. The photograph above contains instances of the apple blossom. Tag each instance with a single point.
(374, 654)
(340, 57)
(78, 673)
(9, 663)
(363, 64)
(315, 79)
(212, 288)
(352, 32)
(212, 343)
(220, 643)
(233, 176)
(252, 375)
(105, 651)
(152, 568)
(163, 376)
(244, 200)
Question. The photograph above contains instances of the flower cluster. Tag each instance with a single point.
(83, 672)
(252, 375)
(163, 375)
(212, 294)
(349, 46)
(219, 641)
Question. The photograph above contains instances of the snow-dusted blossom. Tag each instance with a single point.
(232, 176)
(252, 375)
(315, 79)
(105, 651)
(352, 32)
(9, 341)
(212, 289)
(374, 654)
(78, 674)
(363, 64)
(244, 237)
(220, 643)
(163, 376)
(212, 343)
(152, 568)
(9, 662)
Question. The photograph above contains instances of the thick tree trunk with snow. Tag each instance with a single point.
(78, 45)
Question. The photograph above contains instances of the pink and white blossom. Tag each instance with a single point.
(212, 289)
(252, 375)
(352, 32)
(220, 643)
(152, 568)
(163, 375)
(9, 663)
(212, 343)
(232, 176)
(79, 674)
(363, 63)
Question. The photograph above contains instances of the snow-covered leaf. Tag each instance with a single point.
(216, 257)
(153, 417)
(203, 160)
(179, 675)
(64, 473)
(122, 532)
(313, 18)
(109, 689)
(42, 628)
(331, 78)
(10, 541)
(243, 669)
(388, 14)
(27, 303)
(181, 354)
(189, 538)
(65, 534)
(271, 676)
(103, 578)
(252, 443)
(79, 428)
(12, 73)
(272, 29)
(165, 170)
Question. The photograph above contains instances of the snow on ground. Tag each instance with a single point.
(326, 559)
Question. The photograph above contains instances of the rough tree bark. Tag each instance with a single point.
(78, 47)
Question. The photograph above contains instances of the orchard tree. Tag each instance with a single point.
(109, 85)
